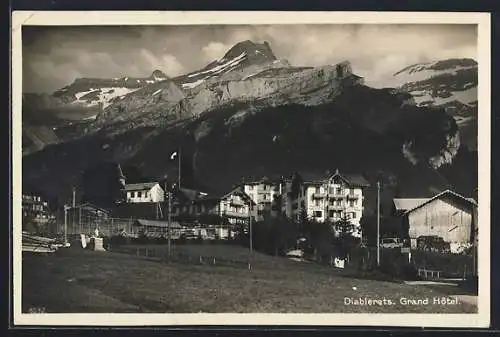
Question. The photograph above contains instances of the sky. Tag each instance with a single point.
(53, 56)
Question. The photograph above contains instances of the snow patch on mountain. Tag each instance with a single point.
(104, 96)
(468, 97)
(416, 74)
(225, 66)
(191, 85)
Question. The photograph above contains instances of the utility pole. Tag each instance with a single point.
(378, 224)
(65, 225)
(250, 234)
(179, 175)
(169, 222)
(250, 230)
(168, 195)
(74, 197)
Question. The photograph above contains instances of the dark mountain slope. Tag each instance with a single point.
(364, 135)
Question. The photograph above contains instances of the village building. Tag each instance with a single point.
(85, 218)
(235, 206)
(264, 193)
(36, 210)
(331, 197)
(143, 192)
(447, 215)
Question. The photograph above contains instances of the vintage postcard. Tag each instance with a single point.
(243, 168)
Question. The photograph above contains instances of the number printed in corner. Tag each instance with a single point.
(36, 310)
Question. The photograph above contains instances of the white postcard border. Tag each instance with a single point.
(71, 18)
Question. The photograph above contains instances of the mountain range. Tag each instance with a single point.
(450, 84)
(251, 114)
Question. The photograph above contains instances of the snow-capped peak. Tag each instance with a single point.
(425, 71)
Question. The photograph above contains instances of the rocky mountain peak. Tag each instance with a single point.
(158, 75)
(254, 53)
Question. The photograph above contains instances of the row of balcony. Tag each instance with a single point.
(338, 207)
(322, 195)
(237, 202)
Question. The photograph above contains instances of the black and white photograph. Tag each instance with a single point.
(292, 167)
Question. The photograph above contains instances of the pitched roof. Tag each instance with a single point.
(265, 179)
(140, 186)
(238, 190)
(191, 194)
(157, 223)
(424, 201)
(350, 178)
(91, 205)
(404, 204)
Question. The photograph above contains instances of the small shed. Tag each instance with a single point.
(158, 229)
(448, 215)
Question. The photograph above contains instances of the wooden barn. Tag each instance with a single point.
(448, 215)
(157, 229)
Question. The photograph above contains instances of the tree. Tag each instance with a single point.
(319, 235)
(283, 234)
(344, 238)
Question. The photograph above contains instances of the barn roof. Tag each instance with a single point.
(404, 204)
(140, 186)
(87, 205)
(188, 194)
(157, 223)
(413, 204)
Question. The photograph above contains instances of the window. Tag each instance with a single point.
(352, 203)
(331, 214)
(132, 194)
(318, 214)
(316, 202)
(139, 194)
(339, 190)
(318, 190)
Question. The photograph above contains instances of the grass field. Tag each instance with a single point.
(75, 280)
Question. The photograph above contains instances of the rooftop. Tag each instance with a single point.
(410, 204)
(320, 177)
(140, 186)
(157, 223)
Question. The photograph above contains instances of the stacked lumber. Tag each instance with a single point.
(38, 244)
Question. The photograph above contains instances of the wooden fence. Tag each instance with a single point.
(183, 258)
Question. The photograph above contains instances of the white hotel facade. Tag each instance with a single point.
(331, 198)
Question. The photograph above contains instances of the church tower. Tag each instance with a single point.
(121, 177)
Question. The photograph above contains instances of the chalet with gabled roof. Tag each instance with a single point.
(143, 192)
(448, 215)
